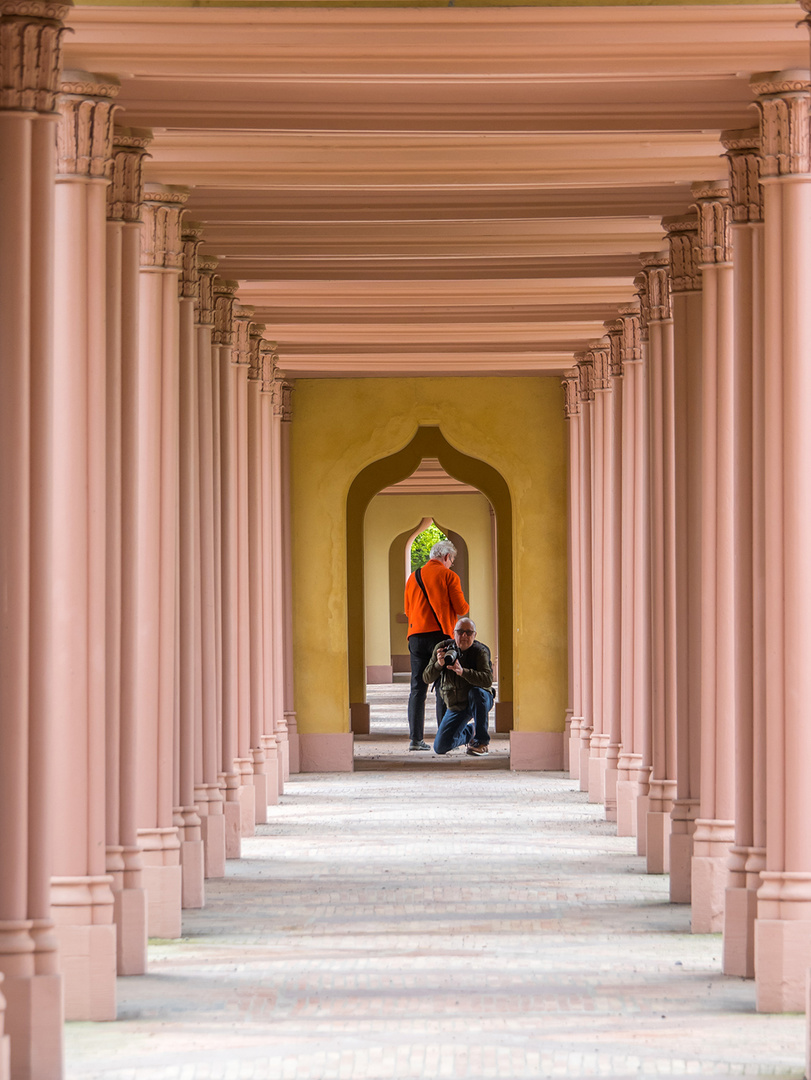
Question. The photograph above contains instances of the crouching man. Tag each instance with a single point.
(465, 677)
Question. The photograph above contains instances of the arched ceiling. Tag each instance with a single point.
(455, 190)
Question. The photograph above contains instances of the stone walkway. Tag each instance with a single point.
(441, 922)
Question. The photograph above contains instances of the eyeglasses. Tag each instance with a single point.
(465, 633)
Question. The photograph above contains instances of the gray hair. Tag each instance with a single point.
(464, 618)
(441, 549)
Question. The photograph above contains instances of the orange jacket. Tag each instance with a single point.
(445, 591)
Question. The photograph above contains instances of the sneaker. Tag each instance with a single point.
(421, 745)
(477, 749)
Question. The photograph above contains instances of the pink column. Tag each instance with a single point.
(231, 773)
(30, 36)
(240, 361)
(189, 670)
(783, 926)
(600, 461)
(643, 705)
(662, 783)
(586, 368)
(124, 861)
(571, 384)
(629, 757)
(282, 394)
(273, 692)
(208, 744)
(81, 892)
(152, 573)
(748, 856)
(687, 347)
(256, 597)
(714, 832)
(613, 586)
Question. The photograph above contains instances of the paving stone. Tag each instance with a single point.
(436, 922)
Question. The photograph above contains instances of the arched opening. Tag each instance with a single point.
(427, 443)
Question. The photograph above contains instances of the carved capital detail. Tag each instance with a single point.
(600, 354)
(84, 134)
(585, 367)
(190, 236)
(242, 335)
(625, 341)
(206, 268)
(783, 98)
(161, 244)
(224, 293)
(745, 193)
(714, 222)
(30, 49)
(571, 386)
(682, 237)
(126, 190)
(273, 382)
(653, 289)
(255, 337)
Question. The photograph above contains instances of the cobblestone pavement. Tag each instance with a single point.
(436, 923)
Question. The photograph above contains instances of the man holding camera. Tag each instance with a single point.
(465, 676)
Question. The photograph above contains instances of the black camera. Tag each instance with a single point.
(451, 654)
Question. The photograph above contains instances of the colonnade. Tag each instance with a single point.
(690, 523)
(145, 688)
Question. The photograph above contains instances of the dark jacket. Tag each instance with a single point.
(477, 670)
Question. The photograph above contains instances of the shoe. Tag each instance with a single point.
(421, 745)
(477, 749)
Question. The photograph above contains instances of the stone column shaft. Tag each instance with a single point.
(687, 327)
(586, 369)
(81, 889)
(272, 587)
(30, 37)
(124, 860)
(572, 407)
(714, 832)
(283, 574)
(600, 465)
(783, 926)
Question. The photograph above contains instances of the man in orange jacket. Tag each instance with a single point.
(434, 601)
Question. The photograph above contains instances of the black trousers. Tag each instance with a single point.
(420, 646)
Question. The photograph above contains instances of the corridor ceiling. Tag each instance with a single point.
(434, 190)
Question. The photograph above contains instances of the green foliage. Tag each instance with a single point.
(421, 547)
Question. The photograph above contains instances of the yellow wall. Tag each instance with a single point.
(390, 515)
(341, 426)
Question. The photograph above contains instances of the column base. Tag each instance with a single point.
(293, 745)
(246, 796)
(212, 827)
(611, 778)
(642, 804)
(584, 752)
(574, 747)
(567, 734)
(232, 812)
(710, 873)
(163, 882)
(283, 742)
(271, 771)
(740, 912)
(192, 864)
(129, 915)
(88, 959)
(782, 960)
(682, 827)
(657, 849)
(260, 786)
(597, 766)
(33, 1026)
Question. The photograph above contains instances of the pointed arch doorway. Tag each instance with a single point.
(428, 442)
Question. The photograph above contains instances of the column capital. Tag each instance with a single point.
(255, 337)
(30, 44)
(624, 339)
(126, 190)
(206, 268)
(273, 382)
(656, 269)
(783, 106)
(585, 368)
(242, 335)
(224, 294)
(571, 385)
(600, 351)
(714, 220)
(161, 210)
(84, 135)
(682, 237)
(191, 237)
(743, 154)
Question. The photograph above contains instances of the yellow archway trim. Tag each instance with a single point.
(428, 442)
